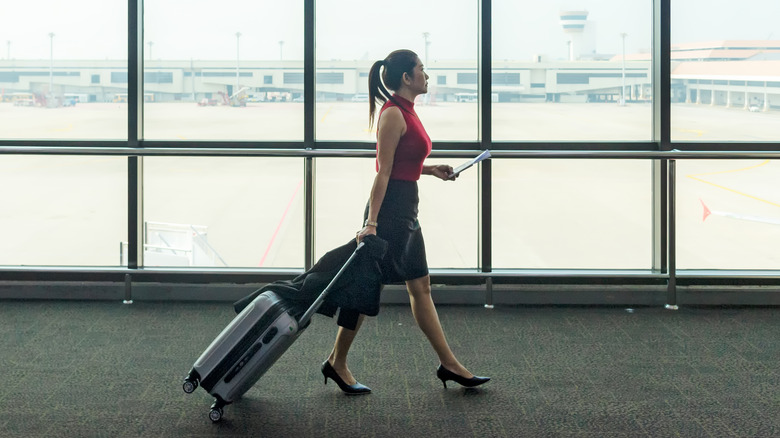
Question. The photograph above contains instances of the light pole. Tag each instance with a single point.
(427, 45)
(238, 37)
(281, 44)
(427, 97)
(192, 69)
(8, 49)
(623, 86)
(150, 43)
(51, 62)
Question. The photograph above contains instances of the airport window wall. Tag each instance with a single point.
(721, 92)
(558, 80)
(632, 141)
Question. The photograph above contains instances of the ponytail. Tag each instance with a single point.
(395, 65)
(376, 90)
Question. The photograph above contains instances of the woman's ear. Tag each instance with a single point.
(407, 79)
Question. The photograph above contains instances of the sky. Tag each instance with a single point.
(361, 29)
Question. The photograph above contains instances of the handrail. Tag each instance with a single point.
(370, 153)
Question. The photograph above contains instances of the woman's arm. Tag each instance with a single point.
(391, 127)
(441, 171)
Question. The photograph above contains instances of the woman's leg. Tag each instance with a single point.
(427, 318)
(338, 357)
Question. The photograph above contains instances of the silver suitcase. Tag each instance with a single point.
(250, 345)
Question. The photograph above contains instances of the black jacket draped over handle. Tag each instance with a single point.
(356, 291)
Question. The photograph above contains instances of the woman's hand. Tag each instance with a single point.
(443, 172)
(368, 229)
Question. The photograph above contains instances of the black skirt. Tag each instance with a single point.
(398, 225)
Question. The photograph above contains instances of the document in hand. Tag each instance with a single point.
(483, 156)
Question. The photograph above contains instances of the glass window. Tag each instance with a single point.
(449, 217)
(572, 74)
(572, 214)
(444, 42)
(54, 70)
(725, 61)
(448, 211)
(342, 188)
(61, 210)
(207, 76)
(728, 214)
(223, 212)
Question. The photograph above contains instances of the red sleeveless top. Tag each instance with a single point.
(413, 147)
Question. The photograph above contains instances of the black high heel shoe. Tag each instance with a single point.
(444, 374)
(356, 389)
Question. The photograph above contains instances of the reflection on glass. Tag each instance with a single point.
(58, 69)
(728, 214)
(236, 75)
(725, 71)
(445, 42)
(572, 74)
(572, 214)
(223, 212)
(67, 211)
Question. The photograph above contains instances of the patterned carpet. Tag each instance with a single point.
(100, 369)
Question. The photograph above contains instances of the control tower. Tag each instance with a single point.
(573, 23)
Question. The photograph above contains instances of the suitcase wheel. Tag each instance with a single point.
(215, 414)
(190, 386)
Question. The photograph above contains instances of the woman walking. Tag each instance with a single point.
(391, 213)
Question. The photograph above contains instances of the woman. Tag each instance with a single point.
(391, 213)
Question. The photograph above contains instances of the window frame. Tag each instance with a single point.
(660, 149)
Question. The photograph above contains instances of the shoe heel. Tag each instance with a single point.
(441, 374)
(329, 373)
(444, 374)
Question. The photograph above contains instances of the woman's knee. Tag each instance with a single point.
(419, 287)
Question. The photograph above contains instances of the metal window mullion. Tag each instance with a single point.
(135, 132)
(486, 139)
(659, 167)
(309, 211)
(665, 128)
(660, 192)
(135, 232)
(309, 66)
(309, 84)
(662, 88)
(664, 181)
(135, 73)
(671, 287)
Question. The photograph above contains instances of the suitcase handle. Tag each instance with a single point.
(318, 302)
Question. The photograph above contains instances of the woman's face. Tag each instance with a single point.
(418, 80)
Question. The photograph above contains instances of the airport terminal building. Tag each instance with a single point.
(721, 73)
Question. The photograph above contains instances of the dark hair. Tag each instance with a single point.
(395, 65)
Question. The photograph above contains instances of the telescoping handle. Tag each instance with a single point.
(318, 302)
